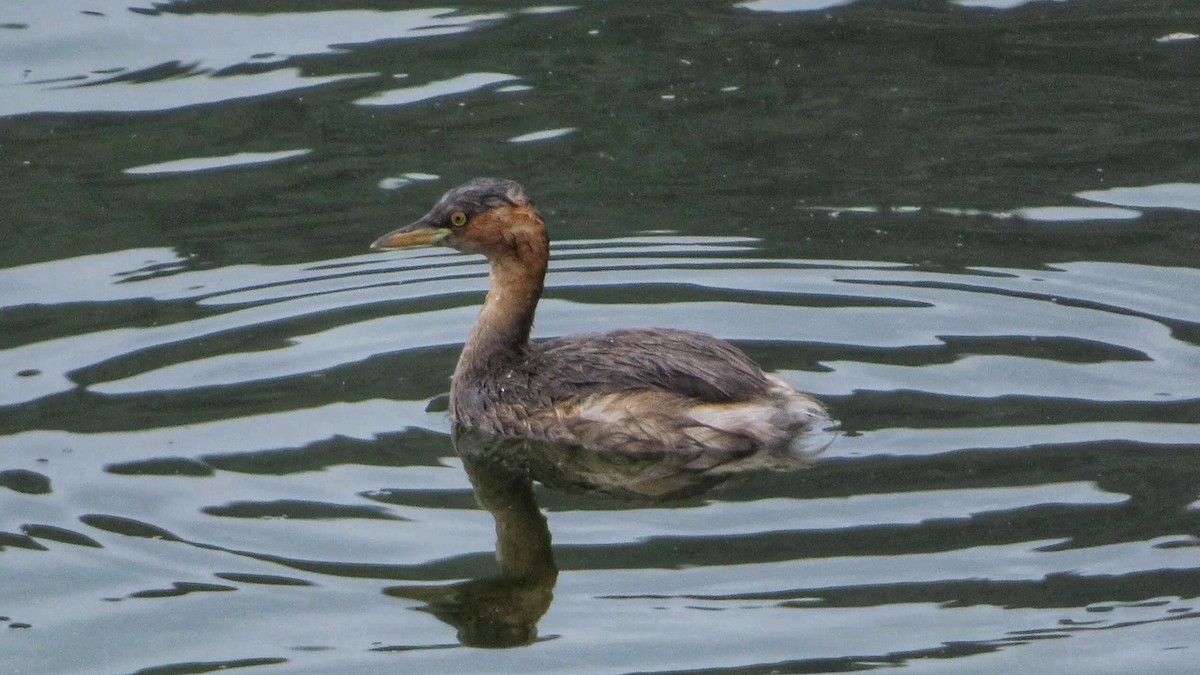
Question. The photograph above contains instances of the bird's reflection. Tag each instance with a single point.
(504, 610)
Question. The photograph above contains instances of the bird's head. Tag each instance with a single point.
(490, 216)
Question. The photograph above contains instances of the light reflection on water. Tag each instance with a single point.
(209, 465)
(154, 60)
(1115, 310)
(257, 516)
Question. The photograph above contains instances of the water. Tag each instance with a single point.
(969, 227)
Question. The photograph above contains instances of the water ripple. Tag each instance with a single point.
(281, 427)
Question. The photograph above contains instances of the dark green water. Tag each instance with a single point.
(971, 228)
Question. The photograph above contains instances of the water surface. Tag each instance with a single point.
(969, 227)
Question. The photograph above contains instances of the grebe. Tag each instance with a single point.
(631, 391)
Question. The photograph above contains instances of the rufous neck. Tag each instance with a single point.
(514, 285)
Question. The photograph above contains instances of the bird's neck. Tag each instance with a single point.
(518, 272)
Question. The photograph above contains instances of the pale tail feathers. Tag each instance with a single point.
(782, 423)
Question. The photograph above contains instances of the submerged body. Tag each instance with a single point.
(638, 390)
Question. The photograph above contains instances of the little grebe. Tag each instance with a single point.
(635, 390)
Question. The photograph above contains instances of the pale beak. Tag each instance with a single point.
(421, 233)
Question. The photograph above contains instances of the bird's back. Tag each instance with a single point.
(635, 390)
(690, 364)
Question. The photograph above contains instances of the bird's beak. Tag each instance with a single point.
(421, 233)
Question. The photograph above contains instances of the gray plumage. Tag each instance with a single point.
(475, 197)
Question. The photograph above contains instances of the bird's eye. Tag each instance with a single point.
(458, 219)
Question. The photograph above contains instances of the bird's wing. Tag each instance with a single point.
(683, 362)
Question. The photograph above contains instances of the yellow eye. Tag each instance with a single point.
(458, 219)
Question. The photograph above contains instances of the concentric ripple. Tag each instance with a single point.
(272, 440)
